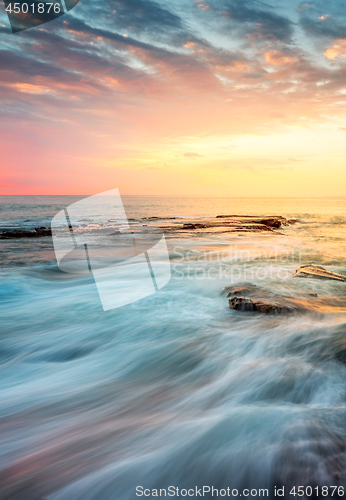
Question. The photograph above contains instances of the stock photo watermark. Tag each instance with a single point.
(26, 14)
(233, 263)
(93, 236)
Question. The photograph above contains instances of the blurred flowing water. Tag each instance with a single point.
(175, 389)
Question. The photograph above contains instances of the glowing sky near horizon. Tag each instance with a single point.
(192, 97)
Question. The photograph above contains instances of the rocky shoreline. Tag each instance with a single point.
(228, 224)
(250, 298)
(219, 224)
(247, 297)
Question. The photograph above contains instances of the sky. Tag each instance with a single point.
(191, 97)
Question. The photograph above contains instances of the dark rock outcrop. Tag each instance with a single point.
(39, 232)
(341, 354)
(339, 344)
(273, 221)
(194, 226)
(158, 218)
(244, 289)
(245, 304)
(226, 224)
(276, 223)
(248, 297)
(318, 272)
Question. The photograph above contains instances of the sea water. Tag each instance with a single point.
(174, 390)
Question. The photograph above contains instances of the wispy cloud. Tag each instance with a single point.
(119, 82)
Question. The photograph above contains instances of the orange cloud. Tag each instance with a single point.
(278, 58)
(337, 51)
(30, 89)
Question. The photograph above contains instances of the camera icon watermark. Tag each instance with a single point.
(94, 236)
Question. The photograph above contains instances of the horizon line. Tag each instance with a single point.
(191, 196)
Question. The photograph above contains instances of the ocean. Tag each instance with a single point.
(175, 390)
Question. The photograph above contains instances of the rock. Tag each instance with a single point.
(318, 272)
(339, 346)
(250, 297)
(309, 446)
(243, 289)
(43, 231)
(193, 226)
(227, 216)
(271, 222)
(227, 224)
(260, 306)
(255, 223)
(158, 218)
(39, 232)
(341, 355)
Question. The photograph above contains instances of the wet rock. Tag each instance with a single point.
(255, 223)
(250, 297)
(158, 218)
(43, 231)
(308, 447)
(318, 272)
(245, 304)
(276, 223)
(341, 354)
(194, 226)
(339, 346)
(39, 232)
(228, 224)
(257, 217)
(227, 216)
(243, 289)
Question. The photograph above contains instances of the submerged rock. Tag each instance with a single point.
(318, 272)
(245, 304)
(39, 232)
(309, 447)
(243, 289)
(341, 354)
(339, 345)
(247, 297)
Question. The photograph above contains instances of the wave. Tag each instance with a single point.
(175, 389)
